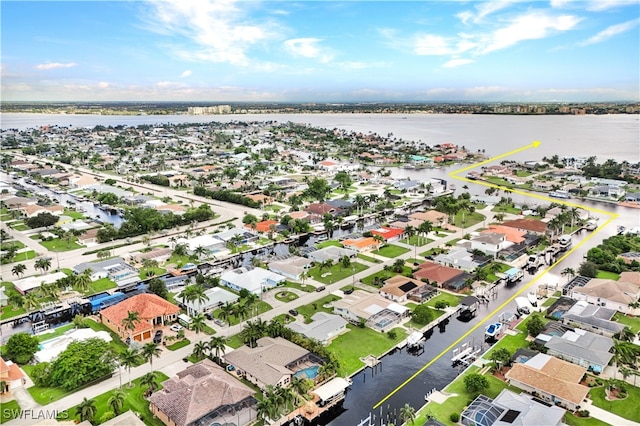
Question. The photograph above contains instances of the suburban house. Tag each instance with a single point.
(550, 379)
(35, 210)
(596, 319)
(376, 311)
(90, 236)
(458, 258)
(399, 288)
(510, 408)
(323, 327)
(273, 361)
(292, 267)
(11, 375)
(361, 245)
(389, 234)
(580, 347)
(611, 294)
(435, 217)
(153, 311)
(527, 225)
(116, 269)
(203, 393)
(216, 297)
(442, 276)
(255, 280)
(331, 252)
(24, 285)
(490, 243)
(513, 235)
(323, 208)
(264, 226)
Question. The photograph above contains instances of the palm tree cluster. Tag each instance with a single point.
(276, 402)
(214, 349)
(193, 293)
(567, 217)
(240, 310)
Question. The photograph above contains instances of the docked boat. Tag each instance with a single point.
(559, 194)
(533, 299)
(414, 339)
(493, 330)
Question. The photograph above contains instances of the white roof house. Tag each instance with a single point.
(254, 280)
(323, 327)
(29, 283)
(216, 296)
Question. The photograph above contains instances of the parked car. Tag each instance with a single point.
(293, 312)
(348, 291)
(208, 316)
(158, 337)
(321, 288)
(176, 327)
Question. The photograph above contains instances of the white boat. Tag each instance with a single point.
(493, 330)
(414, 339)
(533, 299)
(559, 194)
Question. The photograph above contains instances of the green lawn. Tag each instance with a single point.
(155, 271)
(21, 257)
(572, 420)
(19, 226)
(59, 331)
(60, 245)
(73, 214)
(134, 401)
(550, 301)
(302, 287)
(307, 311)
(179, 344)
(44, 395)
(505, 208)
(360, 342)
(512, 342)
(10, 410)
(328, 243)
(627, 408)
(235, 341)
(368, 258)
(336, 273)
(633, 322)
(261, 308)
(437, 313)
(470, 219)
(417, 240)
(451, 299)
(391, 251)
(101, 285)
(116, 343)
(285, 296)
(606, 275)
(10, 312)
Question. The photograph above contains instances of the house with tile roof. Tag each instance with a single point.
(610, 293)
(580, 347)
(399, 288)
(550, 379)
(527, 225)
(204, 393)
(513, 235)
(437, 274)
(273, 361)
(153, 311)
(389, 234)
(361, 245)
(263, 226)
(11, 375)
(435, 217)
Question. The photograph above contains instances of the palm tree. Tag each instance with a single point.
(116, 402)
(129, 358)
(44, 263)
(217, 347)
(149, 351)
(568, 272)
(240, 311)
(83, 280)
(87, 410)
(130, 322)
(200, 350)
(407, 414)
(625, 335)
(251, 332)
(198, 323)
(410, 231)
(31, 301)
(150, 381)
(200, 251)
(226, 312)
(18, 270)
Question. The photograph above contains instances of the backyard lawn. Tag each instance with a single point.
(606, 275)
(134, 401)
(328, 243)
(470, 219)
(627, 408)
(632, 322)
(391, 251)
(360, 342)
(101, 285)
(451, 299)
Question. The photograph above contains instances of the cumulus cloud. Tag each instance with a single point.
(185, 73)
(611, 31)
(217, 30)
(308, 48)
(55, 65)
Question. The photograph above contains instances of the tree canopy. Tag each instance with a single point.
(81, 363)
(21, 347)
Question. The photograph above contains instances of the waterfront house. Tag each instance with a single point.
(435, 217)
(264, 226)
(511, 408)
(399, 288)
(27, 284)
(596, 319)
(551, 380)
(323, 208)
(372, 309)
(458, 258)
(513, 235)
(533, 226)
(203, 393)
(436, 274)
(273, 361)
(580, 347)
(116, 269)
(389, 234)
(323, 327)
(152, 310)
(361, 245)
(490, 243)
(331, 252)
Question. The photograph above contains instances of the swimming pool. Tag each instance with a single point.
(557, 314)
(308, 373)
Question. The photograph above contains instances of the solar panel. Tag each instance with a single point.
(510, 416)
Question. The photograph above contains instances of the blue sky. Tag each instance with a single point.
(322, 51)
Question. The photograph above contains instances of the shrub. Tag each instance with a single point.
(392, 334)
(454, 417)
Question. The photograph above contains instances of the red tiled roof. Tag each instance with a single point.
(148, 307)
(387, 233)
(435, 272)
(263, 226)
(532, 225)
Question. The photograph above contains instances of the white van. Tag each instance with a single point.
(523, 305)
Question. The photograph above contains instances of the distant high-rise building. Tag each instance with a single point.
(215, 109)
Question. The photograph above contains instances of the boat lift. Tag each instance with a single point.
(466, 353)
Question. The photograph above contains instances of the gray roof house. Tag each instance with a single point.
(203, 393)
(116, 269)
(323, 327)
(272, 362)
(510, 408)
(596, 319)
(581, 347)
(292, 267)
(457, 258)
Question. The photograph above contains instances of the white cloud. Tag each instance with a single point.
(55, 65)
(600, 5)
(308, 48)
(103, 85)
(453, 63)
(185, 73)
(216, 30)
(530, 26)
(435, 45)
(483, 10)
(611, 31)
